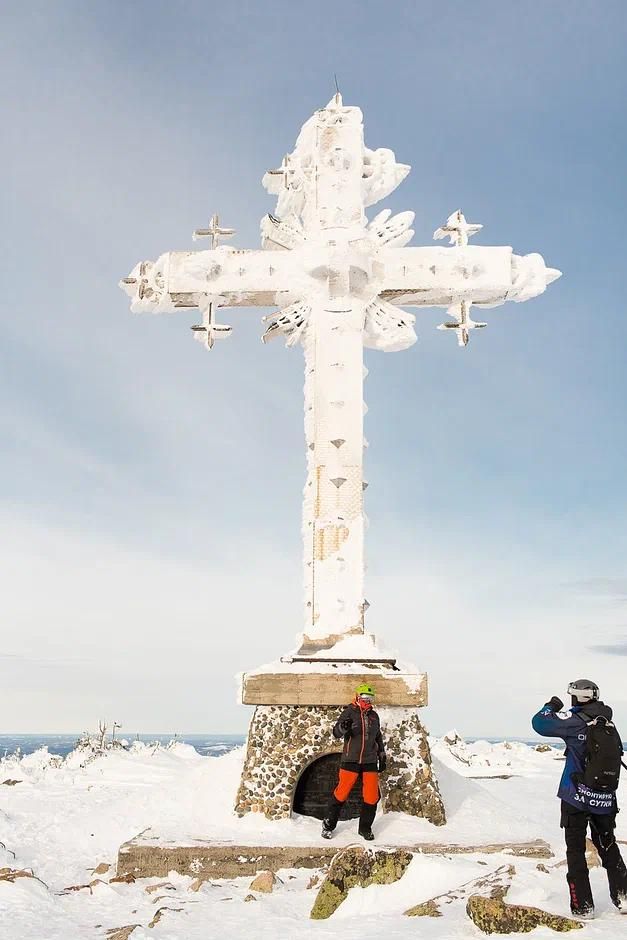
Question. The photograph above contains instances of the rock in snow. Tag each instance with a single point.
(264, 882)
(493, 885)
(121, 933)
(354, 867)
(492, 915)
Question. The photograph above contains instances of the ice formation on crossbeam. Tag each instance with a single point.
(339, 282)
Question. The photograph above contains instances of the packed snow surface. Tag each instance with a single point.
(64, 818)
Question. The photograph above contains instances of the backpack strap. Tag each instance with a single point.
(590, 719)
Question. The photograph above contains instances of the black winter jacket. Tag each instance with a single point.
(363, 743)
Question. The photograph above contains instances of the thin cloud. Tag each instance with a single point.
(610, 649)
(606, 588)
(30, 660)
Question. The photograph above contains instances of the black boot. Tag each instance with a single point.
(581, 902)
(332, 815)
(366, 819)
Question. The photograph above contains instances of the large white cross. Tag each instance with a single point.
(340, 283)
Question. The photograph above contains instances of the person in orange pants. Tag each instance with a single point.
(363, 755)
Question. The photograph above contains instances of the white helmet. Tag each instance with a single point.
(583, 690)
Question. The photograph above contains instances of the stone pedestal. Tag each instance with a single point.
(292, 728)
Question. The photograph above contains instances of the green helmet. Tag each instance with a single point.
(364, 689)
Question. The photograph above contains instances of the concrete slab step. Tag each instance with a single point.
(150, 856)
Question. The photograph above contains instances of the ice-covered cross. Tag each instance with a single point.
(340, 283)
(214, 231)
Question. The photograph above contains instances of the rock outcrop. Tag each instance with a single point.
(494, 916)
(495, 884)
(354, 867)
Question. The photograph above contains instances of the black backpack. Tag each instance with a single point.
(603, 757)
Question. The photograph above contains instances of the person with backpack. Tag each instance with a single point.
(587, 790)
(363, 755)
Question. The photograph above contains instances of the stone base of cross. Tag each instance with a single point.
(340, 282)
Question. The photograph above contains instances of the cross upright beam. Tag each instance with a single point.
(340, 282)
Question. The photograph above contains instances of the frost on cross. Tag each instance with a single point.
(339, 282)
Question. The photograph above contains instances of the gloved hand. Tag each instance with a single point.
(345, 725)
(382, 763)
(556, 703)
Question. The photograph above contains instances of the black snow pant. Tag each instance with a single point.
(366, 816)
(349, 773)
(575, 823)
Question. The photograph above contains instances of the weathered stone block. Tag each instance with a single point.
(149, 855)
(308, 687)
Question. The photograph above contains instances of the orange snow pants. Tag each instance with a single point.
(370, 786)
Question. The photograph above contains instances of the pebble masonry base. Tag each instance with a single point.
(284, 740)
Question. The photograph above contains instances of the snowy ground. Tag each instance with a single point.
(64, 818)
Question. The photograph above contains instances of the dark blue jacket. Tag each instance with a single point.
(572, 729)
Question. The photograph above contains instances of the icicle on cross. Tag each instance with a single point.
(339, 282)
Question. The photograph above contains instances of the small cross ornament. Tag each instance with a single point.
(458, 229)
(285, 170)
(214, 231)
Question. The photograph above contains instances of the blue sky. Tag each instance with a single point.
(150, 493)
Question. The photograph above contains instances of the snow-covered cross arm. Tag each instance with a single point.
(339, 282)
(376, 272)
